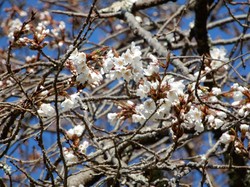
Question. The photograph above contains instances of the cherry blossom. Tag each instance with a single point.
(243, 111)
(71, 102)
(82, 147)
(14, 26)
(194, 119)
(164, 107)
(216, 91)
(46, 110)
(226, 138)
(67, 104)
(127, 66)
(143, 89)
(69, 156)
(219, 56)
(70, 133)
(177, 86)
(218, 123)
(112, 118)
(77, 131)
(84, 73)
(151, 69)
(244, 127)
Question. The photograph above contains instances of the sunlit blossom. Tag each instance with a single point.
(216, 91)
(70, 133)
(219, 56)
(69, 156)
(82, 147)
(218, 123)
(244, 127)
(112, 118)
(177, 86)
(46, 110)
(77, 131)
(226, 138)
(71, 102)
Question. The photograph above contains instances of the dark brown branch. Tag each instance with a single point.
(200, 28)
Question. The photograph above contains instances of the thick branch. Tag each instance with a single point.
(201, 14)
(143, 4)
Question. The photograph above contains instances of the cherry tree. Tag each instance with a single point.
(125, 93)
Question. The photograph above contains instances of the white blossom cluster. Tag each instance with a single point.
(76, 131)
(219, 58)
(14, 26)
(226, 138)
(164, 96)
(127, 66)
(70, 155)
(71, 102)
(170, 90)
(58, 29)
(41, 32)
(84, 73)
(22, 31)
(48, 110)
(74, 134)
